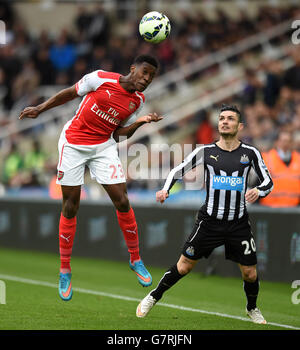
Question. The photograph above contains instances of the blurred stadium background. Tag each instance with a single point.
(219, 51)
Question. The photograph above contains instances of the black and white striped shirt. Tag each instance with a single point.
(226, 177)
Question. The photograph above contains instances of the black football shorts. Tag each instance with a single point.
(209, 233)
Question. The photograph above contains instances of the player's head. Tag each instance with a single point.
(230, 121)
(142, 71)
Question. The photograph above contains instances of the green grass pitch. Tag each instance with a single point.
(99, 300)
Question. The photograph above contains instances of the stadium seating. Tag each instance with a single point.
(203, 64)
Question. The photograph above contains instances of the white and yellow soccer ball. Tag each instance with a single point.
(154, 27)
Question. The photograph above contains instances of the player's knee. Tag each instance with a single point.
(122, 203)
(249, 274)
(70, 208)
(184, 269)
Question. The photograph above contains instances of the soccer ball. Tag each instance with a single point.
(154, 27)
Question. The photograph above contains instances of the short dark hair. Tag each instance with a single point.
(146, 58)
(232, 108)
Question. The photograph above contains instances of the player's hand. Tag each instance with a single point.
(252, 195)
(151, 117)
(29, 112)
(161, 196)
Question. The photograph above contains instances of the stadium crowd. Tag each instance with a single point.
(27, 62)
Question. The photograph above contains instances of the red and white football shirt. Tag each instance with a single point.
(104, 107)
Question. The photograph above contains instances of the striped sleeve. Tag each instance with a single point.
(266, 183)
(190, 162)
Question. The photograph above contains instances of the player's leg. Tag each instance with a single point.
(127, 221)
(172, 276)
(251, 288)
(107, 169)
(251, 284)
(70, 176)
(196, 246)
(67, 229)
(126, 218)
(67, 224)
(240, 247)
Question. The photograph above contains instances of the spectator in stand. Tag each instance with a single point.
(79, 69)
(22, 42)
(11, 66)
(83, 20)
(252, 87)
(98, 57)
(26, 81)
(292, 76)
(63, 53)
(283, 163)
(99, 28)
(271, 90)
(13, 167)
(44, 66)
(36, 158)
(206, 131)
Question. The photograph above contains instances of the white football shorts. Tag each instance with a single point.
(101, 159)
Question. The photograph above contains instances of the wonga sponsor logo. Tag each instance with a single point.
(230, 183)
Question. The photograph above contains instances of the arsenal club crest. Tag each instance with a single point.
(60, 175)
(131, 106)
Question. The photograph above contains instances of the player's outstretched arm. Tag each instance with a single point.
(58, 99)
(128, 131)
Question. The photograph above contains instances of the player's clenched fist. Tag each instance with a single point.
(161, 196)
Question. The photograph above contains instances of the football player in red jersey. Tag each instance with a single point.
(108, 110)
